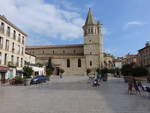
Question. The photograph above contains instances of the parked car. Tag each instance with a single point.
(38, 79)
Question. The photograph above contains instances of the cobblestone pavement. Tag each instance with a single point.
(72, 95)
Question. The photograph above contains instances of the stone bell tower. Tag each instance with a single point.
(93, 43)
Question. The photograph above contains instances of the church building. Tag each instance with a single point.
(75, 59)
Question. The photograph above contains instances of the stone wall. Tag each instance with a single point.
(73, 69)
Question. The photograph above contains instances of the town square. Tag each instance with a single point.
(74, 56)
(72, 95)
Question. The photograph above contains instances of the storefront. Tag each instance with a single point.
(3, 72)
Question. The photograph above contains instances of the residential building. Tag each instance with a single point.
(12, 47)
(108, 61)
(118, 62)
(30, 59)
(144, 56)
(129, 59)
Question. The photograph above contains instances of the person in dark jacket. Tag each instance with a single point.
(136, 86)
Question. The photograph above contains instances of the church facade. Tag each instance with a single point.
(75, 59)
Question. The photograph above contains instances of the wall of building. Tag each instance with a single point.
(12, 44)
(73, 69)
(30, 59)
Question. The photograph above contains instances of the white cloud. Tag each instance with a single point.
(133, 23)
(38, 17)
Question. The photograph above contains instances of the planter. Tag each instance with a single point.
(105, 77)
(27, 81)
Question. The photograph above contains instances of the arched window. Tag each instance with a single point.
(0, 57)
(91, 30)
(79, 62)
(90, 63)
(68, 62)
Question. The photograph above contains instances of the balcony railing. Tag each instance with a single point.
(17, 64)
(2, 30)
(19, 40)
(8, 33)
(7, 48)
(11, 64)
(13, 50)
(1, 46)
(14, 37)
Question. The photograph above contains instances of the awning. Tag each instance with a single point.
(4, 68)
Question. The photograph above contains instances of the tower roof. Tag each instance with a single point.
(90, 20)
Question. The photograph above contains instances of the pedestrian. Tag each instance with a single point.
(130, 84)
(136, 86)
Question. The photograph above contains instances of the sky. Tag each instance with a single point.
(126, 23)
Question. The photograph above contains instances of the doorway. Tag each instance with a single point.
(3, 77)
(57, 70)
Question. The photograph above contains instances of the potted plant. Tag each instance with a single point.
(61, 72)
(49, 68)
(88, 71)
(18, 80)
(27, 72)
(104, 72)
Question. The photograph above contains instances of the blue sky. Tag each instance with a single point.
(125, 22)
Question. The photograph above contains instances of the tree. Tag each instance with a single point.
(133, 70)
(98, 70)
(49, 68)
(104, 72)
(39, 64)
(139, 71)
(27, 72)
(127, 69)
(88, 71)
(61, 71)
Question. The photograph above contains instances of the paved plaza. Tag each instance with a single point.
(72, 95)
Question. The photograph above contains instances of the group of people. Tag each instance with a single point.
(137, 86)
(95, 79)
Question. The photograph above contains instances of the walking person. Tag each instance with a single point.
(130, 84)
(136, 86)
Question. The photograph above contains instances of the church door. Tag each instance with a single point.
(57, 70)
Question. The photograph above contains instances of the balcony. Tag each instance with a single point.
(17, 64)
(1, 46)
(11, 64)
(13, 50)
(7, 48)
(19, 40)
(22, 41)
(8, 33)
(14, 37)
(2, 30)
